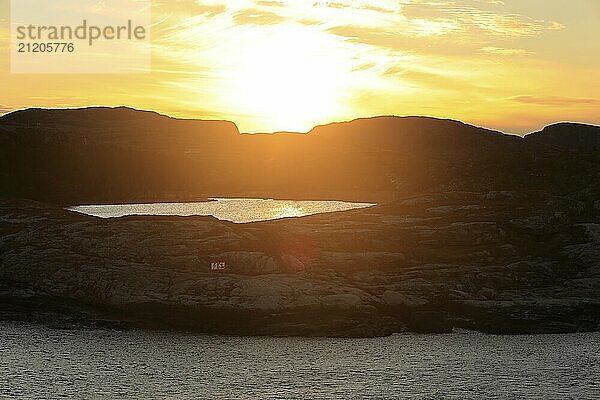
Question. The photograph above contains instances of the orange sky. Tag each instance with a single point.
(513, 65)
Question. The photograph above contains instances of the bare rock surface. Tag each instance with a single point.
(513, 262)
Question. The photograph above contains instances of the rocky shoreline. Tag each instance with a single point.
(496, 262)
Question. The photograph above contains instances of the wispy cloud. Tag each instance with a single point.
(441, 27)
(5, 109)
(364, 67)
(554, 101)
(189, 7)
(255, 16)
(431, 79)
(505, 52)
(310, 22)
(268, 3)
(473, 19)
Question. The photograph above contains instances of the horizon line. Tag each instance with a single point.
(78, 108)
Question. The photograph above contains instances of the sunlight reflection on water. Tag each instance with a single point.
(235, 210)
(289, 211)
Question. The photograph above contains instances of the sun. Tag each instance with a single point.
(288, 81)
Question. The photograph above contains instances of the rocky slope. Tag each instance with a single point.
(502, 262)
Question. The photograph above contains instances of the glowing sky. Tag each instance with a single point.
(513, 65)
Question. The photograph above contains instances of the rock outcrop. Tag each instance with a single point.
(501, 262)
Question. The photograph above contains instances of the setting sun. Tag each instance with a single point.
(288, 81)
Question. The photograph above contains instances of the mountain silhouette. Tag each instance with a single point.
(568, 136)
(102, 154)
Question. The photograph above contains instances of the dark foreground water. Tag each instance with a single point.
(41, 363)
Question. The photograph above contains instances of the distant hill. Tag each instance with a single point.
(119, 125)
(568, 136)
(79, 116)
(108, 154)
(409, 136)
(113, 155)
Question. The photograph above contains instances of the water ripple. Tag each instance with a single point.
(38, 363)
